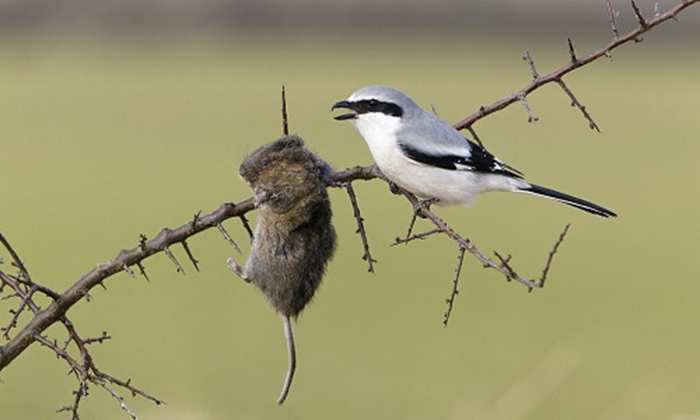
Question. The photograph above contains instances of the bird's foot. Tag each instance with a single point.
(423, 204)
(394, 188)
(418, 212)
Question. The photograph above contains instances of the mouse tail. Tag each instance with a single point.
(292, 358)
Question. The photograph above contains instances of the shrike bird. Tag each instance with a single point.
(428, 157)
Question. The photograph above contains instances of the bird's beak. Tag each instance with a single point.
(347, 105)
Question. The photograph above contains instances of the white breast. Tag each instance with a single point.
(451, 187)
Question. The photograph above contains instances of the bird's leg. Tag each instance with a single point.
(236, 268)
(423, 204)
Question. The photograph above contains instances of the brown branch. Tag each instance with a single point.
(246, 225)
(475, 136)
(285, 118)
(174, 260)
(572, 53)
(142, 269)
(642, 22)
(455, 283)
(575, 102)
(571, 66)
(188, 251)
(228, 238)
(528, 59)
(24, 276)
(553, 252)
(420, 236)
(612, 17)
(466, 244)
(367, 256)
(104, 270)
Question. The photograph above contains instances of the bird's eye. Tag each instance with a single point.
(373, 103)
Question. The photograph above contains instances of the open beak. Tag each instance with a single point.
(346, 105)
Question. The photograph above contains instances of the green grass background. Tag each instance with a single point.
(103, 139)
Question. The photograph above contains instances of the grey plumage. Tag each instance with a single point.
(294, 239)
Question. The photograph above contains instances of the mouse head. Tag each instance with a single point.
(284, 173)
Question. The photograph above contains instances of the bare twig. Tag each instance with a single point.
(142, 269)
(531, 117)
(575, 102)
(172, 258)
(640, 19)
(102, 271)
(367, 256)
(476, 136)
(228, 238)
(285, 119)
(455, 283)
(553, 252)
(572, 53)
(528, 59)
(246, 225)
(24, 276)
(417, 236)
(581, 61)
(466, 244)
(129, 272)
(612, 16)
(188, 251)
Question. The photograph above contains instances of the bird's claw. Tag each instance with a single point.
(423, 204)
(394, 188)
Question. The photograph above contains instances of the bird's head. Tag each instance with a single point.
(376, 105)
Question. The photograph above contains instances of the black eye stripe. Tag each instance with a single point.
(374, 105)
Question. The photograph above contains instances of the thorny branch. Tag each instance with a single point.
(86, 372)
(24, 290)
(367, 256)
(455, 283)
(577, 62)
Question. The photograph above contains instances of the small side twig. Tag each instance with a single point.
(640, 19)
(612, 16)
(455, 283)
(572, 53)
(553, 252)
(170, 255)
(285, 119)
(531, 117)
(142, 269)
(367, 256)
(475, 136)
(528, 59)
(417, 236)
(575, 102)
(195, 220)
(246, 225)
(504, 263)
(128, 271)
(228, 237)
(188, 251)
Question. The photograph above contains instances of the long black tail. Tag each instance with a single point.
(568, 199)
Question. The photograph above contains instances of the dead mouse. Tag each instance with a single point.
(294, 238)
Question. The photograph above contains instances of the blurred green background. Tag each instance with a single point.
(108, 132)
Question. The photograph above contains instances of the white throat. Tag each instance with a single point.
(379, 131)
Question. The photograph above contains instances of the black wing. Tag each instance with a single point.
(480, 160)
